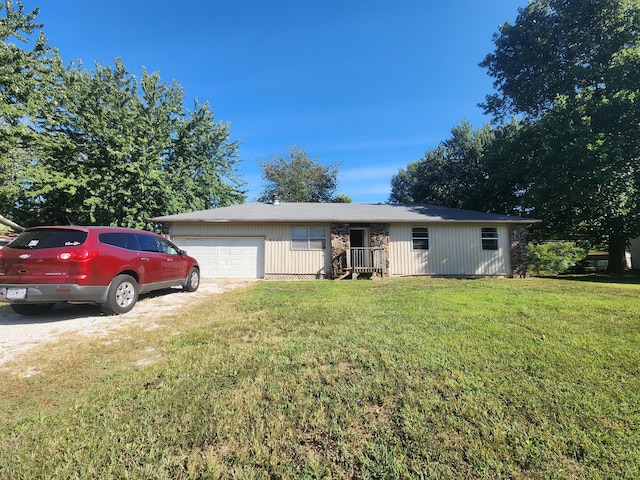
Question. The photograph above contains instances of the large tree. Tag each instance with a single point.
(101, 146)
(119, 151)
(571, 72)
(26, 64)
(296, 177)
(452, 174)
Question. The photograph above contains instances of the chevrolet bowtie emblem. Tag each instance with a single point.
(25, 255)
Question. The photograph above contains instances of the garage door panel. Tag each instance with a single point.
(226, 257)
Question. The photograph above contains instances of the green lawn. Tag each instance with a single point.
(400, 378)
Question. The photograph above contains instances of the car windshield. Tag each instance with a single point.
(48, 238)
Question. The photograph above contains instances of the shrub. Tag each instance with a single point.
(554, 257)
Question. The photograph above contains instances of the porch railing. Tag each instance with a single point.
(367, 260)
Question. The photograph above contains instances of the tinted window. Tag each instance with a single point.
(167, 247)
(148, 243)
(49, 238)
(119, 239)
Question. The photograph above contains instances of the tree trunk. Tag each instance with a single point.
(617, 254)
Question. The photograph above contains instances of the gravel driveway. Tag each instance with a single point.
(19, 333)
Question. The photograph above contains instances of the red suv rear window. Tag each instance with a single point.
(48, 238)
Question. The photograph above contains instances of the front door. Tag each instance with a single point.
(175, 265)
(359, 239)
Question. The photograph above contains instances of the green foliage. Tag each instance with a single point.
(554, 257)
(451, 175)
(299, 178)
(592, 193)
(21, 71)
(418, 378)
(506, 164)
(570, 71)
(102, 147)
(342, 198)
(118, 152)
(25, 82)
(563, 48)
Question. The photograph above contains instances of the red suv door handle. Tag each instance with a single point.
(145, 259)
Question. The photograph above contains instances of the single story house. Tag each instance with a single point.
(343, 240)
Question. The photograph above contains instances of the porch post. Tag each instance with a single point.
(380, 238)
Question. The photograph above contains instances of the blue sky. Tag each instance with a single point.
(370, 84)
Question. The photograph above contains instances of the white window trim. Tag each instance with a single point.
(427, 238)
(491, 239)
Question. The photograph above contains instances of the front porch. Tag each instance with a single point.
(350, 258)
(368, 260)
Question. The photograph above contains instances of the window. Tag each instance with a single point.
(308, 238)
(49, 238)
(148, 243)
(166, 247)
(122, 240)
(489, 238)
(420, 237)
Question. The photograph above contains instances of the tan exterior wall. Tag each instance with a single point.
(280, 259)
(453, 250)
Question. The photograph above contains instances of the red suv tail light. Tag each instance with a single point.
(77, 255)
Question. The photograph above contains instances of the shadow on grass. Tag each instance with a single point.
(629, 278)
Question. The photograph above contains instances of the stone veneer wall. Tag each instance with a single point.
(380, 238)
(340, 243)
(519, 255)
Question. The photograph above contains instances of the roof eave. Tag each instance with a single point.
(524, 221)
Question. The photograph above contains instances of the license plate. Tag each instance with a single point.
(16, 293)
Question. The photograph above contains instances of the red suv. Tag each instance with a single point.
(107, 266)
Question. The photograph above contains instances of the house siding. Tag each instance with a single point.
(453, 250)
(280, 260)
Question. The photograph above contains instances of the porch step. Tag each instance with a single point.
(344, 275)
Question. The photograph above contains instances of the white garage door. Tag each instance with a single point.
(226, 257)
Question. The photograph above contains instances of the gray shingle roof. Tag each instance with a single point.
(337, 213)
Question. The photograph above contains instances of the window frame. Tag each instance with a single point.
(302, 242)
(490, 239)
(420, 238)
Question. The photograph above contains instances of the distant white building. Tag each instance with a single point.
(635, 253)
